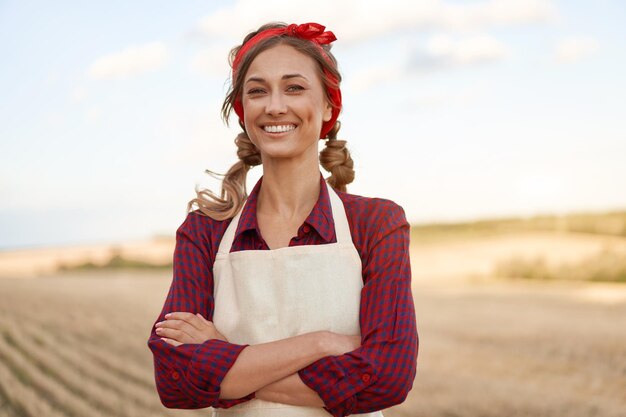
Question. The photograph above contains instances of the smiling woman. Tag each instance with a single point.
(295, 300)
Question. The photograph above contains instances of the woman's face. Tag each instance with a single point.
(284, 103)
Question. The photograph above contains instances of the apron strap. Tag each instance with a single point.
(342, 228)
(340, 219)
(227, 239)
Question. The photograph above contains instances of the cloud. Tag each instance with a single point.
(439, 52)
(450, 96)
(354, 21)
(78, 94)
(574, 49)
(442, 51)
(131, 61)
(494, 13)
(93, 114)
(212, 61)
(372, 76)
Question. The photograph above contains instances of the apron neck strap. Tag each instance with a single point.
(342, 228)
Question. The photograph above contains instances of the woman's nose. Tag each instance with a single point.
(276, 104)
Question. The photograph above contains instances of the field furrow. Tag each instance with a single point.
(108, 382)
(43, 387)
(118, 364)
(102, 395)
(67, 355)
(19, 398)
(129, 361)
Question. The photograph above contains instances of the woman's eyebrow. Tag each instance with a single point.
(284, 77)
(288, 76)
(253, 79)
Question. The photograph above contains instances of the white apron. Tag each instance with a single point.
(266, 295)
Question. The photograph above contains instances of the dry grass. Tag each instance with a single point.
(117, 261)
(606, 224)
(606, 265)
(33, 262)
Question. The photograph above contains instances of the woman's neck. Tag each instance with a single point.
(289, 189)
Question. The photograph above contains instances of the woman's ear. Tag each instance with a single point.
(328, 112)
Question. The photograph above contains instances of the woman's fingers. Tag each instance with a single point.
(177, 327)
(171, 341)
(187, 327)
(190, 318)
(196, 320)
(173, 331)
(181, 325)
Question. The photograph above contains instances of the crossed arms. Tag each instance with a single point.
(313, 369)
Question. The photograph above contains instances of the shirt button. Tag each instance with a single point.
(306, 229)
(365, 377)
(175, 376)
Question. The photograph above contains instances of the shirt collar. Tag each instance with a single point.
(320, 217)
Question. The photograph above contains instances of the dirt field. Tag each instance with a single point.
(75, 344)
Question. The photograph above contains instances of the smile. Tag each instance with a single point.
(279, 129)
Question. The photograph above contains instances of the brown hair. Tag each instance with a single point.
(334, 158)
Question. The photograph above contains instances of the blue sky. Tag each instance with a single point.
(456, 110)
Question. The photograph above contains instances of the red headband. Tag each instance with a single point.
(313, 32)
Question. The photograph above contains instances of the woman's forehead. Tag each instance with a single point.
(282, 61)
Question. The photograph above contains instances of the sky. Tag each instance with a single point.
(456, 110)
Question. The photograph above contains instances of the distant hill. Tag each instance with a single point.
(611, 223)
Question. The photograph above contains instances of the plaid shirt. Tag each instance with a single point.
(377, 375)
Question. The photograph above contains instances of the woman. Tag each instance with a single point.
(294, 301)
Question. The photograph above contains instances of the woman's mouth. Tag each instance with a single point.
(279, 128)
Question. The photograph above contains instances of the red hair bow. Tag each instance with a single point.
(313, 32)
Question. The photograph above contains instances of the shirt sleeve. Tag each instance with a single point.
(380, 373)
(189, 375)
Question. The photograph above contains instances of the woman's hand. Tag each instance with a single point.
(181, 327)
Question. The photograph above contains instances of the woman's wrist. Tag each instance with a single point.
(290, 390)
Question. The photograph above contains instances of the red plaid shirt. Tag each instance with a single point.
(377, 375)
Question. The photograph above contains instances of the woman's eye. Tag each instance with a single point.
(295, 88)
(255, 91)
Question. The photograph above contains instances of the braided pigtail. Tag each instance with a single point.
(233, 193)
(335, 158)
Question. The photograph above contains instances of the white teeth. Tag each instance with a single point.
(279, 129)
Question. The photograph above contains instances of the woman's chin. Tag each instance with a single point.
(284, 153)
